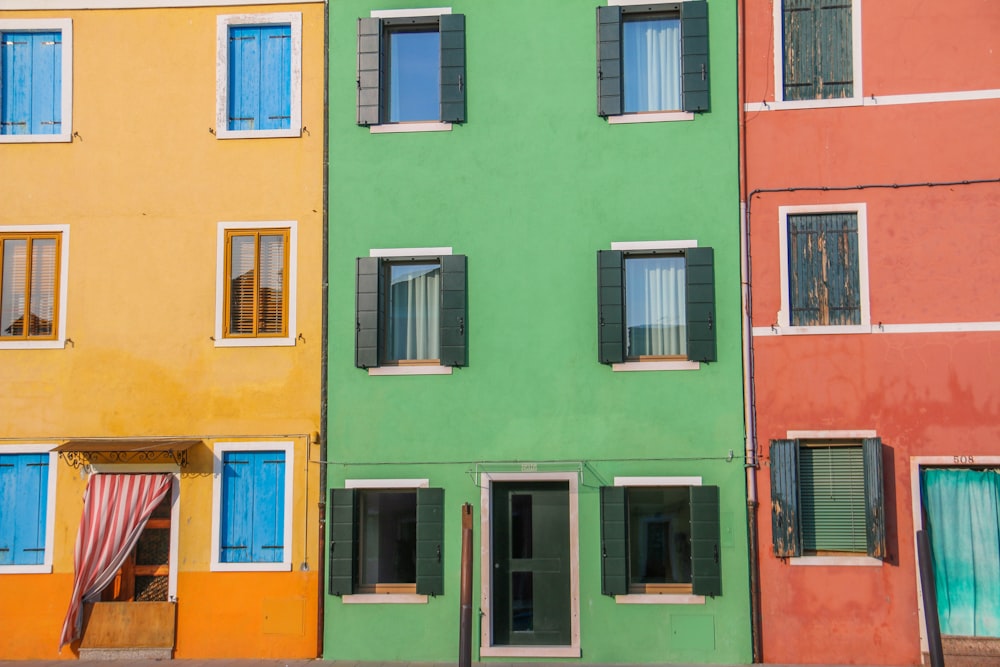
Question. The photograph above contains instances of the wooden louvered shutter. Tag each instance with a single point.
(610, 306)
(369, 71)
(785, 524)
(242, 276)
(694, 55)
(614, 541)
(874, 498)
(609, 61)
(452, 27)
(272, 284)
(341, 555)
(824, 275)
(430, 541)
(367, 312)
(699, 268)
(454, 330)
(706, 536)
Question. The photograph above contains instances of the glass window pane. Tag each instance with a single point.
(271, 286)
(12, 296)
(242, 262)
(388, 540)
(655, 313)
(651, 62)
(43, 287)
(659, 535)
(413, 76)
(413, 312)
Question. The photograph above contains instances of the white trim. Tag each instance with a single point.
(652, 245)
(406, 13)
(386, 483)
(65, 26)
(654, 598)
(415, 126)
(650, 117)
(657, 481)
(218, 449)
(880, 100)
(630, 3)
(861, 210)
(60, 340)
(411, 370)
(220, 284)
(384, 598)
(411, 253)
(223, 23)
(855, 434)
(836, 561)
(45, 567)
(141, 4)
(880, 328)
(629, 366)
(486, 647)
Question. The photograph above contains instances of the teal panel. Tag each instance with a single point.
(453, 84)
(342, 552)
(701, 315)
(610, 306)
(824, 281)
(454, 315)
(430, 541)
(694, 55)
(706, 548)
(614, 541)
(874, 498)
(817, 49)
(609, 61)
(786, 530)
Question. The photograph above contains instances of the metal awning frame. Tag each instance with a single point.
(80, 452)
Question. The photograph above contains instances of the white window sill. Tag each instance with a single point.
(668, 598)
(812, 331)
(257, 134)
(410, 370)
(529, 651)
(834, 561)
(32, 344)
(35, 138)
(427, 126)
(785, 105)
(656, 366)
(255, 342)
(650, 117)
(250, 567)
(25, 569)
(384, 598)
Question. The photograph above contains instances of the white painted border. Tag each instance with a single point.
(50, 507)
(413, 253)
(386, 483)
(65, 26)
(779, 44)
(848, 434)
(223, 23)
(881, 100)
(653, 117)
(861, 209)
(141, 4)
(836, 561)
(410, 370)
(486, 647)
(218, 449)
(220, 284)
(406, 13)
(652, 245)
(60, 340)
(658, 481)
(416, 126)
(881, 328)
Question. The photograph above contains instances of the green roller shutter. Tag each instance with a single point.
(614, 541)
(430, 541)
(609, 61)
(785, 528)
(701, 320)
(452, 28)
(610, 306)
(342, 535)
(874, 498)
(706, 548)
(369, 71)
(832, 498)
(454, 316)
(366, 339)
(694, 55)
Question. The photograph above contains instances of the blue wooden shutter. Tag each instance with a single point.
(699, 269)
(235, 528)
(8, 500)
(268, 507)
(367, 312)
(694, 55)
(430, 541)
(454, 301)
(275, 103)
(15, 86)
(786, 531)
(369, 71)
(706, 536)
(874, 498)
(452, 27)
(824, 273)
(610, 306)
(834, 50)
(609, 61)
(341, 554)
(614, 541)
(31, 87)
(23, 504)
(799, 49)
(244, 78)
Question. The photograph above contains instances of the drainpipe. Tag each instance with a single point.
(324, 361)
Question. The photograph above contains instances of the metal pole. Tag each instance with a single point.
(465, 622)
(930, 599)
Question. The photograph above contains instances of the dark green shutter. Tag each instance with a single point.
(818, 57)
(701, 317)
(369, 273)
(874, 497)
(706, 537)
(835, 50)
(430, 541)
(610, 306)
(694, 55)
(609, 61)
(786, 532)
(454, 311)
(369, 71)
(824, 276)
(453, 68)
(614, 541)
(799, 49)
(342, 530)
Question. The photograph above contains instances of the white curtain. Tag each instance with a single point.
(652, 64)
(413, 330)
(655, 312)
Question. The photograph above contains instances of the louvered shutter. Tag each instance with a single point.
(694, 55)
(832, 498)
(874, 498)
(268, 507)
(699, 270)
(341, 553)
(366, 338)
(453, 105)
(430, 541)
(369, 71)
(454, 302)
(785, 527)
(271, 284)
(610, 306)
(235, 530)
(706, 536)
(614, 541)
(275, 102)
(609, 61)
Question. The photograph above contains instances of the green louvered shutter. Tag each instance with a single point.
(834, 50)
(454, 307)
(874, 498)
(342, 536)
(609, 61)
(453, 68)
(694, 55)
(832, 499)
(610, 306)
(369, 275)
(701, 319)
(785, 528)
(430, 541)
(614, 541)
(369, 71)
(706, 537)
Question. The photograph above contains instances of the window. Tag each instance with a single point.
(411, 68)
(36, 67)
(652, 58)
(411, 310)
(27, 492)
(386, 538)
(656, 303)
(256, 284)
(251, 519)
(32, 286)
(660, 536)
(827, 498)
(259, 90)
(817, 56)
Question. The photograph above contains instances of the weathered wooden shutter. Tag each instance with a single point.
(610, 306)
(694, 55)
(244, 78)
(367, 297)
(874, 498)
(706, 537)
(430, 541)
(785, 528)
(236, 532)
(798, 49)
(31, 71)
(452, 29)
(369, 71)
(454, 328)
(268, 521)
(609, 61)
(832, 498)
(701, 317)
(23, 497)
(614, 541)
(341, 548)
(824, 276)
(275, 96)
(834, 49)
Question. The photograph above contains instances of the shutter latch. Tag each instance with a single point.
(703, 71)
(461, 326)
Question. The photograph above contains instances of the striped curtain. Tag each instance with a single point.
(115, 510)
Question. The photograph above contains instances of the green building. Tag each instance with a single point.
(534, 308)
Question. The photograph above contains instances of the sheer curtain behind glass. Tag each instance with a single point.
(413, 313)
(654, 303)
(651, 59)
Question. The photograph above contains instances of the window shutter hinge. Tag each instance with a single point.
(461, 83)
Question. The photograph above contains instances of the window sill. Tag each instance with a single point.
(834, 561)
(410, 370)
(656, 366)
(787, 105)
(250, 567)
(25, 569)
(32, 344)
(384, 598)
(813, 330)
(287, 341)
(529, 651)
(35, 138)
(664, 598)
(426, 126)
(257, 134)
(650, 117)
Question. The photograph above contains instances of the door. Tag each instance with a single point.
(145, 574)
(530, 551)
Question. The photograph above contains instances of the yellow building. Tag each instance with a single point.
(161, 231)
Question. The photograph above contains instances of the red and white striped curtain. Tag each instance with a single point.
(115, 510)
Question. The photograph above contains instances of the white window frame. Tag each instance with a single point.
(779, 68)
(59, 341)
(45, 567)
(638, 247)
(221, 279)
(223, 23)
(219, 449)
(65, 26)
(783, 318)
